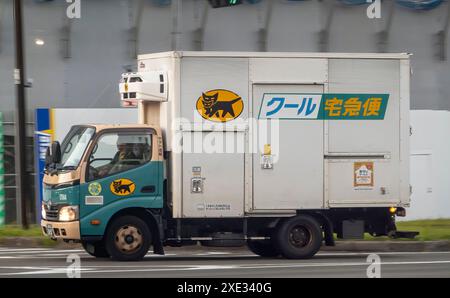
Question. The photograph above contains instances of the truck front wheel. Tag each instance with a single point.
(263, 248)
(95, 249)
(299, 237)
(128, 238)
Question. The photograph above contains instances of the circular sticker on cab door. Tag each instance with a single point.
(122, 187)
(95, 188)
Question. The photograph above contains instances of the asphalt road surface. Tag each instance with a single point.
(220, 263)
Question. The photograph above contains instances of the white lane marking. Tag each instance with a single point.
(150, 254)
(42, 270)
(25, 267)
(59, 254)
(212, 267)
(46, 270)
(381, 253)
(36, 257)
(21, 249)
(42, 251)
(63, 255)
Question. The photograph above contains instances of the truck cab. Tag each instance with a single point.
(102, 170)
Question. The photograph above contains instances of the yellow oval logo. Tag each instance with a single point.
(219, 105)
(122, 187)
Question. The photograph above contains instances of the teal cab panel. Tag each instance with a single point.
(100, 199)
(60, 195)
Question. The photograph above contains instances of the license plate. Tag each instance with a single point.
(50, 231)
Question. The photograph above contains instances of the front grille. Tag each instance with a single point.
(51, 212)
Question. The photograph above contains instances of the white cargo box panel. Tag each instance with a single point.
(336, 130)
(368, 150)
(213, 183)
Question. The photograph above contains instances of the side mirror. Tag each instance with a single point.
(53, 154)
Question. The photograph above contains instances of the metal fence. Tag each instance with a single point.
(2, 172)
(7, 158)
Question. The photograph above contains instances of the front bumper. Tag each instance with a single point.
(61, 230)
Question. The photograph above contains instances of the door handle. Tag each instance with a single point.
(148, 189)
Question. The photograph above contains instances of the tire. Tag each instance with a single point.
(299, 237)
(264, 249)
(95, 249)
(128, 238)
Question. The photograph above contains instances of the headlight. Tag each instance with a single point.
(43, 213)
(68, 213)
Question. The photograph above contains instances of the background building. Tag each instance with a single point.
(76, 63)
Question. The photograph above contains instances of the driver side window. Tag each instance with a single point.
(118, 152)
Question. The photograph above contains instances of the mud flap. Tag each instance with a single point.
(158, 248)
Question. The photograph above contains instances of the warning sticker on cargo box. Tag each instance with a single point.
(222, 207)
(363, 174)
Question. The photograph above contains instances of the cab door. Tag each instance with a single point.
(122, 171)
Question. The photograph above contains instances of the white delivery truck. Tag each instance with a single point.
(280, 150)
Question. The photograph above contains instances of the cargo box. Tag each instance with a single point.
(280, 132)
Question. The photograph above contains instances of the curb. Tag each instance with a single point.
(390, 246)
(35, 242)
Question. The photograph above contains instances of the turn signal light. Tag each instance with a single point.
(95, 222)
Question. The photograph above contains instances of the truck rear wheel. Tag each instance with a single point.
(95, 249)
(299, 237)
(263, 248)
(128, 238)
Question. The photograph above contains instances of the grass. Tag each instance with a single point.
(436, 229)
(429, 230)
(34, 231)
(17, 231)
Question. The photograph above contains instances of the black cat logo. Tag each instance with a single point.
(122, 187)
(220, 105)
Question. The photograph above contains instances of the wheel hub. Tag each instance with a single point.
(128, 239)
(299, 236)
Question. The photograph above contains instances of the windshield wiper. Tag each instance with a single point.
(67, 168)
(53, 169)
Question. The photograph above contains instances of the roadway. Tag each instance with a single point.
(194, 262)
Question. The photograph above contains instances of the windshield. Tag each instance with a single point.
(74, 145)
